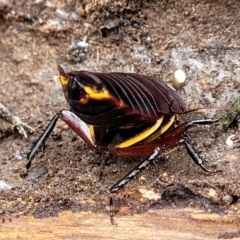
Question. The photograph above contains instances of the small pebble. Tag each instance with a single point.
(36, 172)
(83, 44)
(4, 186)
(18, 155)
(229, 141)
(228, 199)
(149, 194)
(179, 79)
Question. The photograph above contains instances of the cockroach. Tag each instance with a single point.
(139, 110)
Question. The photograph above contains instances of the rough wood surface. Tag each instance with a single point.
(163, 224)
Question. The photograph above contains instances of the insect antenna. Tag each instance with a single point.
(61, 71)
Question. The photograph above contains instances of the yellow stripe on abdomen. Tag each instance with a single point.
(162, 130)
(142, 135)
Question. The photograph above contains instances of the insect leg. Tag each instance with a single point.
(111, 213)
(202, 122)
(79, 127)
(75, 123)
(181, 129)
(39, 144)
(135, 171)
(190, 149)
(169, 140)
(194, 154)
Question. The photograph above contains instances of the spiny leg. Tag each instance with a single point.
(171, 139)
(111, 210)
(191, 150)
(194, 154)
(134, 172)
(75, 123)
(39, 144)
(202, 121)
(123, 181)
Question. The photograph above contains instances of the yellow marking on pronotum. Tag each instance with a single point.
(91, 128)
(142, 135)
(93, 94)
(64, 80)
(162, 130)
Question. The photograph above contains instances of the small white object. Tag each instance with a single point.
(229, 141)
(178, 79)
(18, 155)
(149, 194)
(86, 25)
(61, 12)
(180, 76)
(148, 39)
(83, 44)
(4, 186)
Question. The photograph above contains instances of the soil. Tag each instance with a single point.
(146, 37)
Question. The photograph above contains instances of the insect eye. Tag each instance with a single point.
(74, 87)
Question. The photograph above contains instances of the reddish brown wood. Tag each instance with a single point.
(163, 224)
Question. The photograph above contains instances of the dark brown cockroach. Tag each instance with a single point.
(138, 109)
